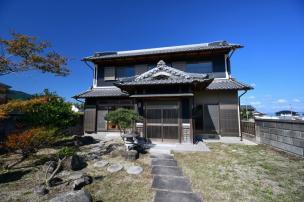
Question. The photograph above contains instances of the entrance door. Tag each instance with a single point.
(162, 120)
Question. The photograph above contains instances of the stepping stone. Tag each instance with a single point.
(171, 183)
(167, 196)
(163, 162)
(100, 164)
(169, 171)
(161, 156)
(134, 170)
(114, 168)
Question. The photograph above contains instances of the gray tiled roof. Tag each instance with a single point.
(227, 84)
(102, 92)
(170, 74)
(218, 45)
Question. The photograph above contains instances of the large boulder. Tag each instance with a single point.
(74, 162)
(73, 196)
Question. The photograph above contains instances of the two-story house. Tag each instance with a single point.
(181, 91)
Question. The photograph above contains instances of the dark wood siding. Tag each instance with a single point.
(90, 120)
(228, 111)
(218, 62)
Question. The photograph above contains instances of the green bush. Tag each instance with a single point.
(65, 152)
(124, 118)
(53, 113)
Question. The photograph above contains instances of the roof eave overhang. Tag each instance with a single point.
(124, 57)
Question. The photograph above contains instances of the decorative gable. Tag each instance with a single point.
(162, 72)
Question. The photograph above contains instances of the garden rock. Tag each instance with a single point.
(85, 140)
(63, 173)
(95, 150)
(55, 181)
(74, 196)
(75, 175)
(134, 170)
(100, 164)
(114, 168)
(74, 162)
(81, 182)
(41, 190)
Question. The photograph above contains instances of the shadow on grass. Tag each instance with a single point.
(13, 176)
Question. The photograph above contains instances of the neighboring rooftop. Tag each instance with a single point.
(217, 45)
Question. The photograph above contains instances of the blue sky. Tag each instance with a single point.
(271, 31)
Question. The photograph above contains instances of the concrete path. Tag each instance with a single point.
(169, 182)
(185, 147)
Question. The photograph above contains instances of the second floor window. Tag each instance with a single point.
(122, 72)
(199, 67)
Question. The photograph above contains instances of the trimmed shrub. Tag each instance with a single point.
(65, 152)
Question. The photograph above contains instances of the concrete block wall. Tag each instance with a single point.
(286, 135)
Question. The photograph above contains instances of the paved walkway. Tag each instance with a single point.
(184, 147)
(169, 183)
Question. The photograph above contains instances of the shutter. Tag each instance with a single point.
(109, 73)
(89, 119)
(211, 118)
(229, 119)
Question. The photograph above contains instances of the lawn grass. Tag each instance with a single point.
(121, 186)
(244, 173)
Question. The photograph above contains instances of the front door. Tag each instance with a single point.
(162, 123)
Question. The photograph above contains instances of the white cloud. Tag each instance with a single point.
(253, 85)
(281, 101)
(251, 97)
(296, 100)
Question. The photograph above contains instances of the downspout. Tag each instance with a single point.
(239, 109)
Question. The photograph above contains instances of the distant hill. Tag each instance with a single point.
(18, 95)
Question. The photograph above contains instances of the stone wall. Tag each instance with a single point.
(286, 135)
